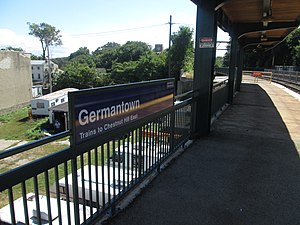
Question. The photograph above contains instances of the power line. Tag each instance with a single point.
(127, 29)
(116, 31)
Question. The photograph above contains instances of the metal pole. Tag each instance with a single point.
(232, 66)
(49, 65)
(170, 34)
(203, 69)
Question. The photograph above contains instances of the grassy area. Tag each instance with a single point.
(17, 126)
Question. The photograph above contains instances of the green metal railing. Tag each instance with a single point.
(44, 191)
(79, 187)
(219, 97)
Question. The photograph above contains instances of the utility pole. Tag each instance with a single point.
(49, 66)
(169, 55)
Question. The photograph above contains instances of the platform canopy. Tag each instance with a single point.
(261, 24)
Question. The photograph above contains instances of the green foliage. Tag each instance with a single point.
(293, 42)
(35, 57)
(219, 62)
(106, 59)
(149, 67)
(125, 72)
(111, 64)
(85, 59)
(188, 63)
(14, 125)
(77, 75)
(107, 47)
(61, 62)
(81, 51)
(182, 51)
(132, 51)
(226, 58)
(152, 66)
(46, 34)
(105, 56)
(10, 48)
(35, 132)
(104, 79)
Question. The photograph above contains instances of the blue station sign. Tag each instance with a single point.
(96, 111)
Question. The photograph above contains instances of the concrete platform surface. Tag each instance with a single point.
(247, 171)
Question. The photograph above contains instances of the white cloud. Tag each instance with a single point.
(149, 34)
(26, 42)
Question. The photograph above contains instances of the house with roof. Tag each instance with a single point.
(40, 70)
(40, 106)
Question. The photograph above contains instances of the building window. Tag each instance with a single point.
(39, 76)
(62, 100)
(52, 104)
(40, 105)
(38, 67)
(32, 76)
(62, 189)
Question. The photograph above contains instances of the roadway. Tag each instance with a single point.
(247, 171)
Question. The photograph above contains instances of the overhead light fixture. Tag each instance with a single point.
(267, 19)
(263, 37)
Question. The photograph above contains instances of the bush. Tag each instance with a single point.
(35, 132)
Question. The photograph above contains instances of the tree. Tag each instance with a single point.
(152, 66)
(46, 33)
(106, 59)
(105, 55)
(226, 58)
(293, 41)
(219, 62)
(80, 51)
(76, 75)
(132, 51)
(125, 72)
(82, 55)
(149, 67)
(35, 57)
(181, 52)
(107, 47)
(10, 48)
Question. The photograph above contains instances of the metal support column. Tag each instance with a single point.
(206, 34)
(240, 68)
(232, 69)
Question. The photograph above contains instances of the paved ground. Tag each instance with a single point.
(5, 144)
(246, 172)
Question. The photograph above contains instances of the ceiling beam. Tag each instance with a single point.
(223, 21)
(243, 29)
(248, 41)
(219, 3)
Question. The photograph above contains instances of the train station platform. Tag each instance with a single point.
(247, 171)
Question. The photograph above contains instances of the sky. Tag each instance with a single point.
(93, 23)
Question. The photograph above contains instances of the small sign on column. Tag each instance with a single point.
(206, 42)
